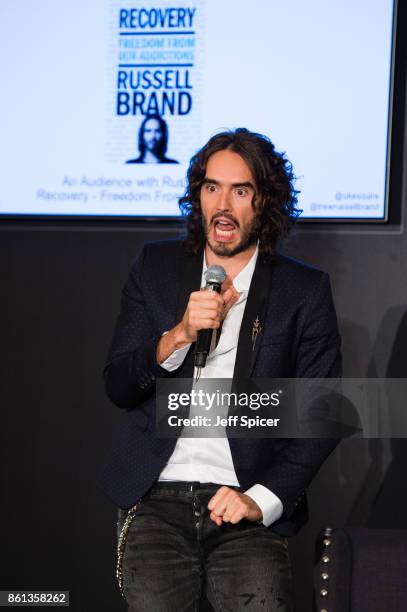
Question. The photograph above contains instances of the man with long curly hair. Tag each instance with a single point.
(152, 142)
(212, 515)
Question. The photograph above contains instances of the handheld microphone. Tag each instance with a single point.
(214, 276)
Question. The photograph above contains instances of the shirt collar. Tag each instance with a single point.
(242, 281)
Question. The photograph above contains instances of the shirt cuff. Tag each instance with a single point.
(268, 503)
(174, 360)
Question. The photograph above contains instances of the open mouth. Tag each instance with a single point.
(225, 229)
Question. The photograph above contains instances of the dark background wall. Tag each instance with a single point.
(61, 293)
(60, 289)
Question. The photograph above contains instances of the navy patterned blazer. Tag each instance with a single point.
(299, 338)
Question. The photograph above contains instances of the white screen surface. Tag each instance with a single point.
(313, 76)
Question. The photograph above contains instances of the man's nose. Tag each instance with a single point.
(224, 201)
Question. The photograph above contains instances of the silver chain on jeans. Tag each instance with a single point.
(121, 545)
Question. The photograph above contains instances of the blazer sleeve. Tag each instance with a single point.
(318, 356)
(131, 368)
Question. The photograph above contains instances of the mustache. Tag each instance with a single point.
(224, 215)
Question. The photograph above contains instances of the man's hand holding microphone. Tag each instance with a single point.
(206, 309)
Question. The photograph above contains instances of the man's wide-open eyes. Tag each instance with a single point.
(241, 192)
(211, 187)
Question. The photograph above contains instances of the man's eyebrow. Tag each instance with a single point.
(248, 184)
(209, 180)
(245, 184)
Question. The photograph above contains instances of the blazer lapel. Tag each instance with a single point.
(190, 280)
(253, 319)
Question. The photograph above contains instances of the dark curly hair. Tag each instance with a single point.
(274, 179)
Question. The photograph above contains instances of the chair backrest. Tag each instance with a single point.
(359, 569)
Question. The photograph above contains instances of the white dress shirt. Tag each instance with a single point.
(210, 459)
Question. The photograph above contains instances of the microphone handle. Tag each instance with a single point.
(203, 343)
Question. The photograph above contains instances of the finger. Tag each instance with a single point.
(209, 312)
(203, 323)
(236, 517)
(231, 296)
(233, 505)
(228, 296)
(207, 295)
(207, 308)
(207, 303)
(219, 495)
(197, 307)
(229, 305)
(226, 505)
(220, 508)
(230, 514)
(196, 317)
(226, 516)
(216, 519)
(227, 283)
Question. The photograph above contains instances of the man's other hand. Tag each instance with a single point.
(230, 506)
(229, 294)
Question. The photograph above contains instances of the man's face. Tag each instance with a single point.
(152, 135)
(230, 222)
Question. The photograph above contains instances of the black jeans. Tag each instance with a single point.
(173, 550)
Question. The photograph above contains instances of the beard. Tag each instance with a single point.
(249, 236)
(156, 147)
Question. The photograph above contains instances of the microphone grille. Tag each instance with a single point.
(215, 274)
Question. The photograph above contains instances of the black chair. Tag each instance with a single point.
(361, 570)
